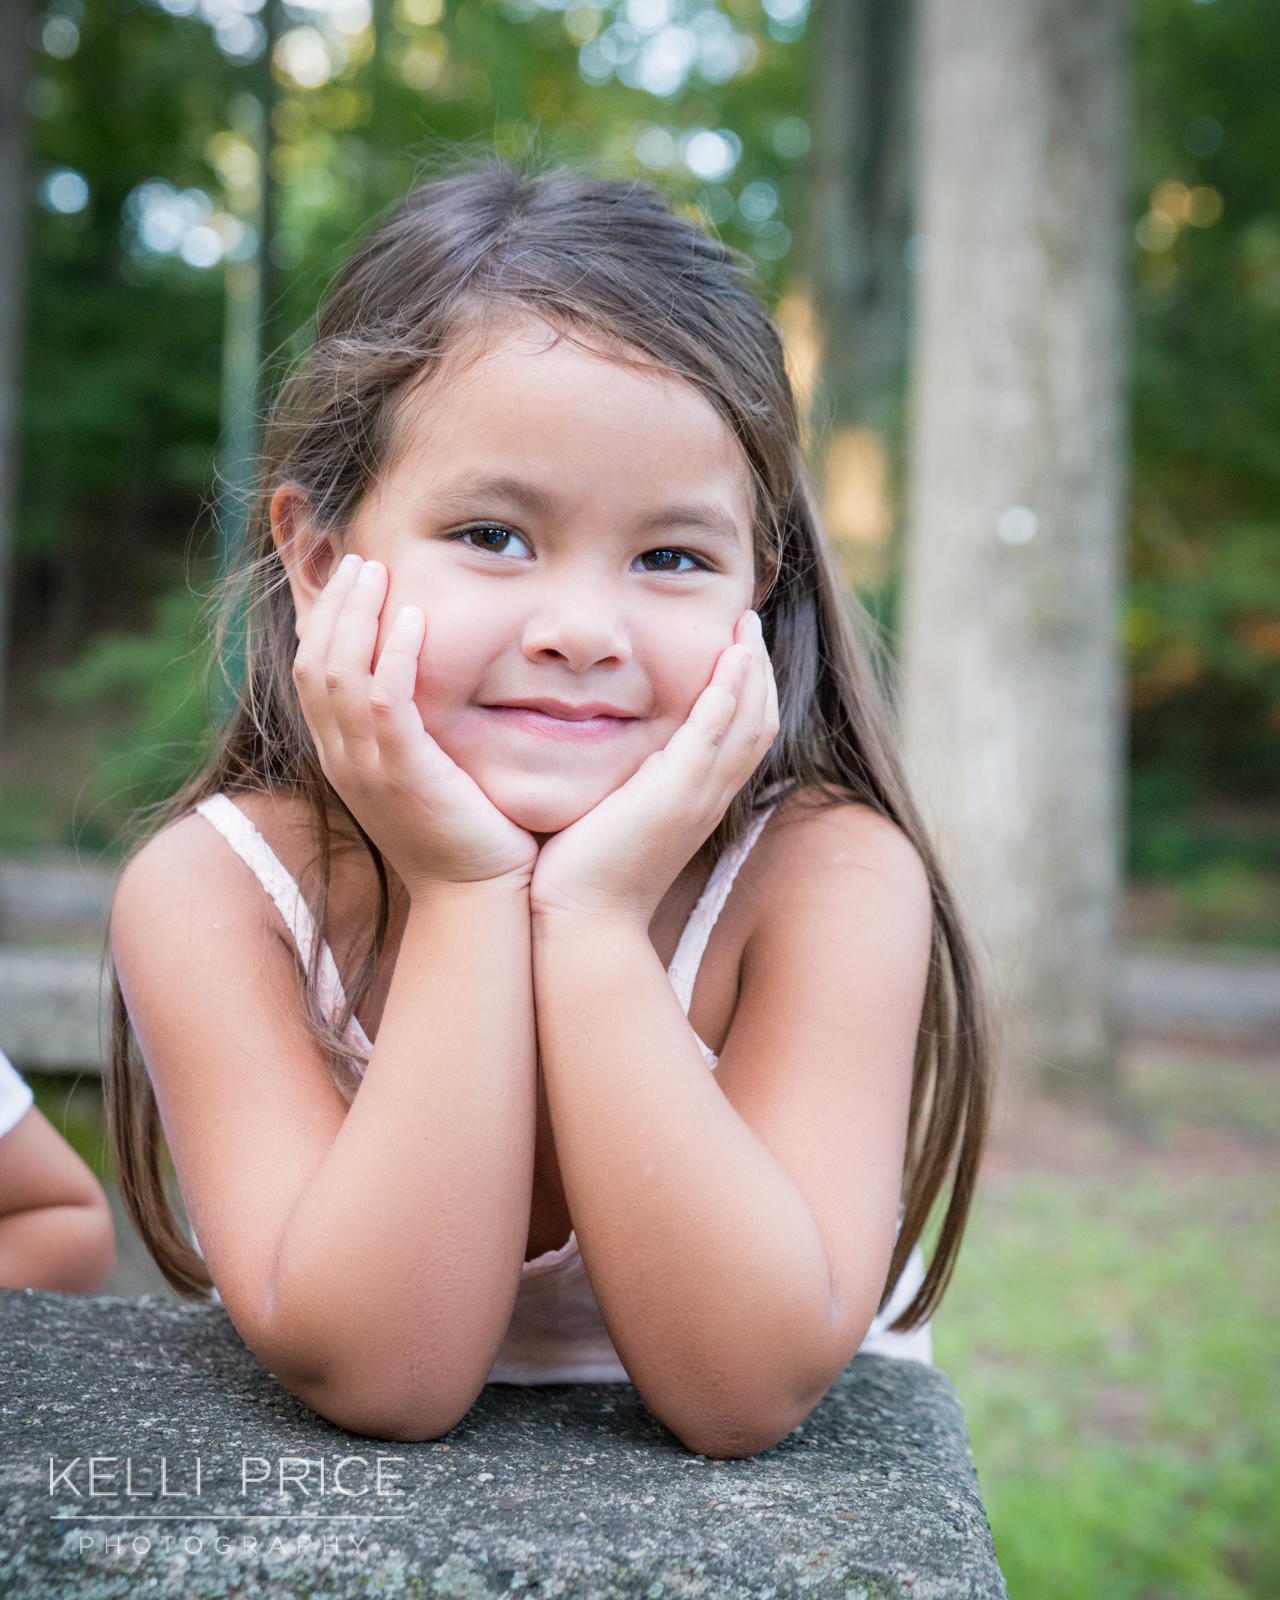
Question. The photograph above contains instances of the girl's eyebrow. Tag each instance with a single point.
(539, 502)
(527, 497)
(709, 520)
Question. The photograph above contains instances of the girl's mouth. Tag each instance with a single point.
(588, 723)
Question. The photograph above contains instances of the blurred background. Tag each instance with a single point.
(1026, 258)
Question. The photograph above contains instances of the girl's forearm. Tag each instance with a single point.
(704, 1256)
(398, 1267)
(68, 1247)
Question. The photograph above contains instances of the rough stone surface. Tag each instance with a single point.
(571, 1490)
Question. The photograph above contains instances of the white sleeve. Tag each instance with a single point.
(15, 1097)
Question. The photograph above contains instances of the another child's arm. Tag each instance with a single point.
(737, 1227)
(370, 1254)
(55, 1224)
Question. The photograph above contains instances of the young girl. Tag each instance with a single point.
(531, 991)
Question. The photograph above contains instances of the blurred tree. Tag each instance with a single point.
(859, 225)
(121, 388)
(14, 56)
(1011, 599)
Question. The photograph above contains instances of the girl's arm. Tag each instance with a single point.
(55, 1224)
(737, 1226)
(369, 1255)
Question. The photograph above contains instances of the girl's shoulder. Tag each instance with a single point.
(831, 889)
(813, 839)
(823, 947)
(189, 860)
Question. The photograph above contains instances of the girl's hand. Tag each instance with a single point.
(623, 856)
(432, 822)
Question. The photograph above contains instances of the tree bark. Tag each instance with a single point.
(860, 205)
(1011, 691)
(14, 70)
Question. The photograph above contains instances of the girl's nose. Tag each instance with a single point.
(578, 631)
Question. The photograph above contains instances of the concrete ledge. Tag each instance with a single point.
(49, 1004)
(572, 1491)
(1214, 999)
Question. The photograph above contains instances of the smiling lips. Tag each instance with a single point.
(589, 723)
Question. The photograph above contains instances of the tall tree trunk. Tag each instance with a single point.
(14, 67)
(860, 205)
(1011, 711)
(860, 216)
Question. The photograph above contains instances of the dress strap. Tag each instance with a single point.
(223, 813)
(683, 970)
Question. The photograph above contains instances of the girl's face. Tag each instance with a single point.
(578, 534)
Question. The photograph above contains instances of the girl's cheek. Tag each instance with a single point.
(444, 682)
(682, 668)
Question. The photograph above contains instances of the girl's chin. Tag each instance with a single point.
(550, 811)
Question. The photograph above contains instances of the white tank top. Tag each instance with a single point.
(556, 1333)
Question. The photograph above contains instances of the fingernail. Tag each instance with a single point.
(756, 622)
(407, 617)
(347, 564)
(370, 572)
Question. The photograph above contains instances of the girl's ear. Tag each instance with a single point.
(309, 555)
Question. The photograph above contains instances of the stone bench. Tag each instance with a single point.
(572, 1490)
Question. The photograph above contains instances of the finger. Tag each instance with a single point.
(739, 668)
(760, 716)
(773, 719)
(749, 732)
(396, 675)
(692, 748)
(737, 752)
(397, 721)
(754, 695)
(313, 644)
(349, 664)
(715, 707)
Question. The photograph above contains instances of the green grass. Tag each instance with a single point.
(1114, 1339)
(74, 1107)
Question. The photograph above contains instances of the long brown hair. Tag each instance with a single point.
(607, 261)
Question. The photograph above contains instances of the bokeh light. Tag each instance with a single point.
(161, 221)
(64, 190)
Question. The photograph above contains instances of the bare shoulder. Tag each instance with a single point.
(189, 867)
(813, 845)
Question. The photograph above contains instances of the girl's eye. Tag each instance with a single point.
(497, 541)
(666, 561)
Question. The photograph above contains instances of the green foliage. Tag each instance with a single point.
(1204, 616)
(74, 1107)
(149, 697)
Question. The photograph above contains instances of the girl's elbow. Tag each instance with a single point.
(95, 1259)
(736, 1428)
(380, 1405)
(750, 1416)
(738, 1435)
(70, 1248)
(394, 1416)
(360, 1378)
